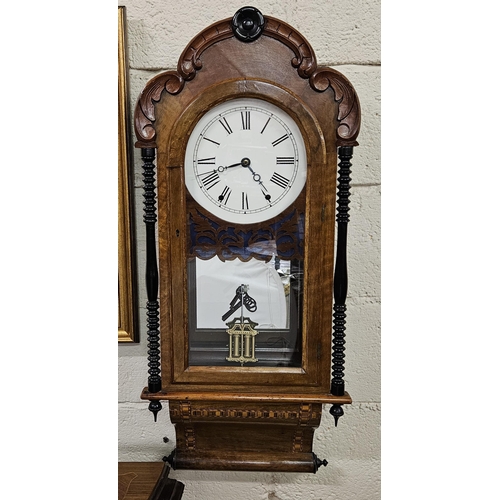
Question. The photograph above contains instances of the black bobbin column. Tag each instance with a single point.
(154, 379)
(340, 280)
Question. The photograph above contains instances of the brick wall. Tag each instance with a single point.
(346, 36)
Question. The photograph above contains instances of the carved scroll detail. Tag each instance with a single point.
(349, 114)
(190, 62)
(304, 60)
(144, 116)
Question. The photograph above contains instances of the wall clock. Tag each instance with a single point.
(240, 147)
(245, 161)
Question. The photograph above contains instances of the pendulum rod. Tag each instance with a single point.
(154, 379)
(340, 278)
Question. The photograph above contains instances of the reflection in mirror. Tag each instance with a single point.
(245, 288)
(245, 312)
(219, 296)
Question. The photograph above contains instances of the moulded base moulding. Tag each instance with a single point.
(248, 461)
(247, 397)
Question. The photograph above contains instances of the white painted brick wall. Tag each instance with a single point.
(345, 34)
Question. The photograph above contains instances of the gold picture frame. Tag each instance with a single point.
(127, 330)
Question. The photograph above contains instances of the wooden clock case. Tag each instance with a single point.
(231, 417)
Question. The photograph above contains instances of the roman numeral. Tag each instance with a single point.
(224, 196)
(262, 131)
(279, 180)
(211, 180)
(207, 139)
(280, 140)
(226, 126)
(245, 120)
(206, 161)
(285, 160)
(244, 201)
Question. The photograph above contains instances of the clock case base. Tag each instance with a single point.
(246, 432)
(245, 436)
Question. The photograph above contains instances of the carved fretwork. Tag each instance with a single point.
(209, 238)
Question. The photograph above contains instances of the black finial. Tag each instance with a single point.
(155, 407)
(336, 411)
(318, 463)
(171, 459)
(247, 24)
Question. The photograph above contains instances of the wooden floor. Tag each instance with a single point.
(136, 480)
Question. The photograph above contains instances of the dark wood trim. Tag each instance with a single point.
(154, 379)
(340, 282)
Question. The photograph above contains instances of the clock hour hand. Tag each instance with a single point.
(221, 168)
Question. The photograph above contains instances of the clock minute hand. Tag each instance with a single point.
(257, 178)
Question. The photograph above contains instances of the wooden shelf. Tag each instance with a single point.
(248, 397)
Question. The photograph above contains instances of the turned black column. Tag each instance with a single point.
(340, 278)
(154, 379)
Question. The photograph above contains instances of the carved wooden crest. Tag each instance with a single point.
(304, 60)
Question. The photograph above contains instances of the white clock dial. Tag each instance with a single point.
(245, 161)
